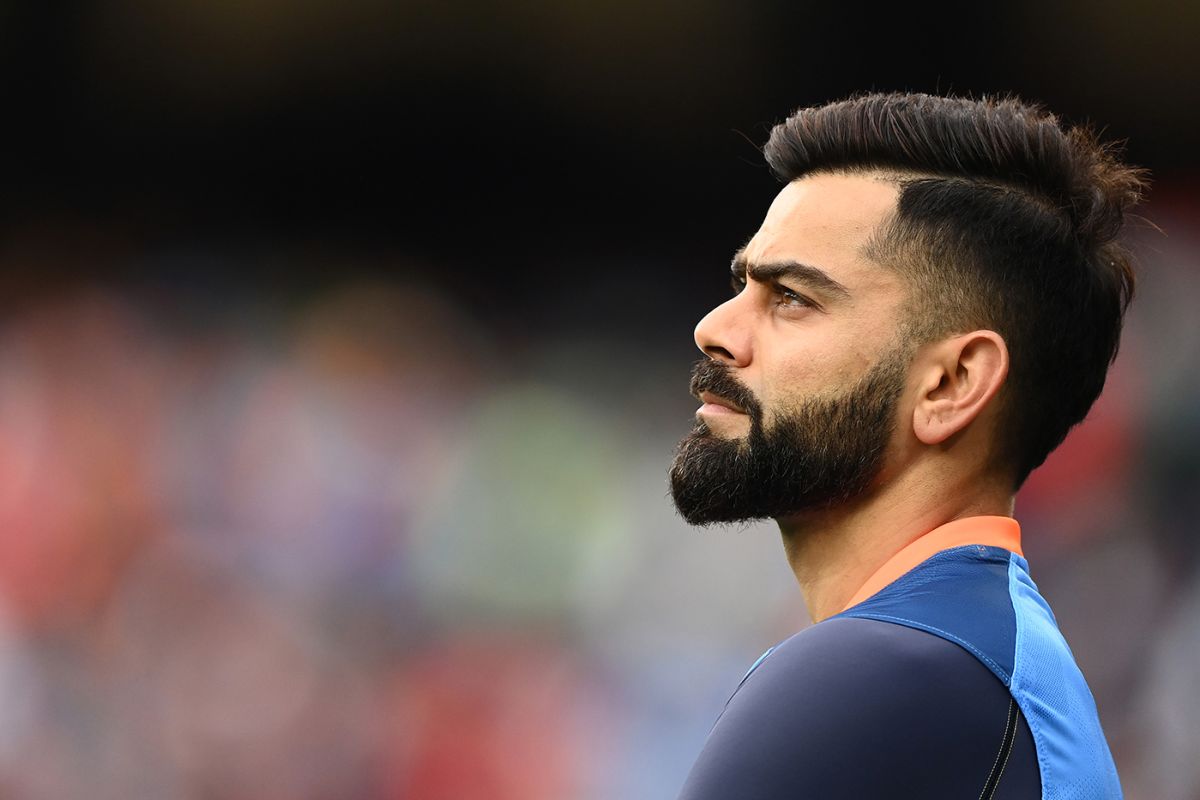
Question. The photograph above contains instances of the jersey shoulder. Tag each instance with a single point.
(855, 707)
(983, 599)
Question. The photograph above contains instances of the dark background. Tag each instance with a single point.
(506, 148)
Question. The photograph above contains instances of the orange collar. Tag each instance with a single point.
(1002, 532)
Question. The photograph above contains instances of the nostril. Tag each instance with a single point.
(718, 353)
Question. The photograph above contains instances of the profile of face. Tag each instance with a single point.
(805, 367)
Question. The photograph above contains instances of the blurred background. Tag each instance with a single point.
(343, 348)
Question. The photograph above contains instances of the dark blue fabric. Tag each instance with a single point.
(961, 594)
(859, 708)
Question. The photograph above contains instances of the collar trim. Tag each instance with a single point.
(1003, 532)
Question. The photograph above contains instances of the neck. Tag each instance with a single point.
(834, 551)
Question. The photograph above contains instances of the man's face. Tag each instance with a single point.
(805, 367)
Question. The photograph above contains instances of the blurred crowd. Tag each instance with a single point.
(356, 543)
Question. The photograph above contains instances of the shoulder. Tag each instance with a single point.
(864, 671)
(857, 708)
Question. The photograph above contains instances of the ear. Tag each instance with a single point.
(958, 379)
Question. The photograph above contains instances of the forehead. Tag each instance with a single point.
(826, 219)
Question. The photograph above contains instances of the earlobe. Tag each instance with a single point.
(964, 374)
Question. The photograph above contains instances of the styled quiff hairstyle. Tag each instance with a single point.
(1006, 221)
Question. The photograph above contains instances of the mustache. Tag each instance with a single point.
(713, 376)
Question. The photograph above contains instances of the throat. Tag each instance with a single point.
(829, 558)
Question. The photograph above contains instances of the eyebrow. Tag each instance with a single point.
(807, 274)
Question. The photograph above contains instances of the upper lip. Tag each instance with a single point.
(717, 400)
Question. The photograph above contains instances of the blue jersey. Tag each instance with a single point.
(947, 678)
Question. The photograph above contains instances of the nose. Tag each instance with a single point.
(724, 334)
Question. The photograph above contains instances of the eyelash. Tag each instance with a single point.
(788, 294)
(779, 290)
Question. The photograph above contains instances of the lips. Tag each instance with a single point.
(711, 398)
(713, 385)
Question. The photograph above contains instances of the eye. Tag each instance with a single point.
(788, 298)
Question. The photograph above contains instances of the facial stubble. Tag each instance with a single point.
(824, 452)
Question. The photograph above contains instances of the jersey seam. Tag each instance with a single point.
(998, 753)
(1011, 746)
(1007, 744)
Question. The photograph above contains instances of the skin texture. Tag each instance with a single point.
(790, 338)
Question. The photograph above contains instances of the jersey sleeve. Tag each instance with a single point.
(859, 708)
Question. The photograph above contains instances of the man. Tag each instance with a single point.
(931, 303)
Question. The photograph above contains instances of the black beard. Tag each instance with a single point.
(824, 453)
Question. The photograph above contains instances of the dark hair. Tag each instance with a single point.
(1006, 220)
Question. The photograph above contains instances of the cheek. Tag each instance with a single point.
(812, 373)
(787, 386)
(825, 358)
(802, 374)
